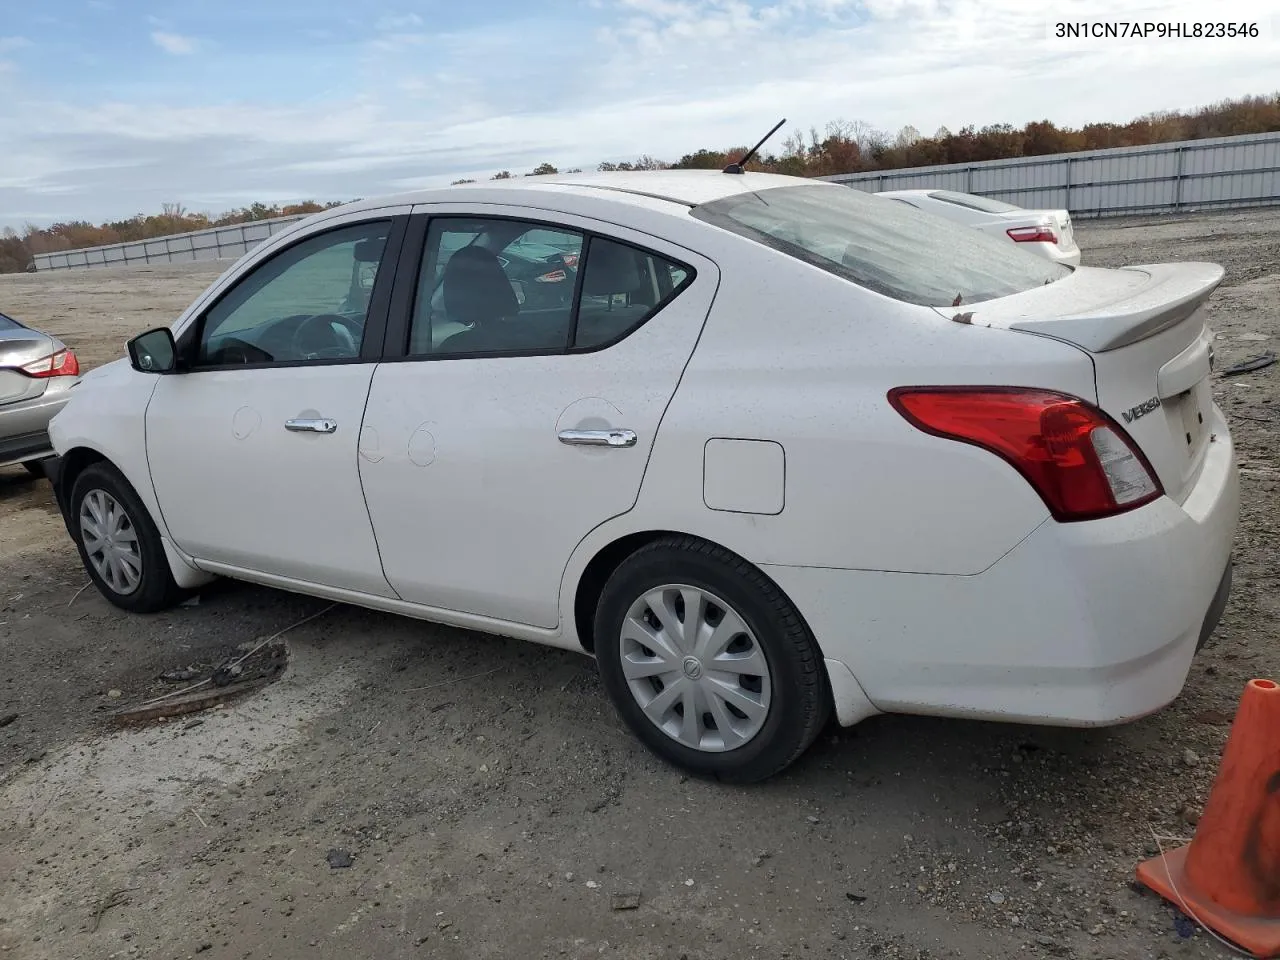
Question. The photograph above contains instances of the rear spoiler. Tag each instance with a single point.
(1173, 293)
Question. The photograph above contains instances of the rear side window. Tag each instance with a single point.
(622, 287)
(973, 202)
(496, 286)
(891, 248)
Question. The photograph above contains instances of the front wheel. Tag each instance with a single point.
(119, 543)
(708, 662)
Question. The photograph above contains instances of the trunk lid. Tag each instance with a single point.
(20, 346)
(1152, 352)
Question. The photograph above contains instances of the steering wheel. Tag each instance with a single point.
(339, 338)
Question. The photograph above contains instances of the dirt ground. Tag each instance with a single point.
(493, 806)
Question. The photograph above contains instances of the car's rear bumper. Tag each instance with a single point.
(1051, 251)
(24, 426)
(1218, 607)
(24, 447)
(1081, 624)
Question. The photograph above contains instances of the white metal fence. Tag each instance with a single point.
(1189, 175)
(216, 243)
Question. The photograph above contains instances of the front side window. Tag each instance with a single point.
(891, 248)
(498, 286)
(307, 304)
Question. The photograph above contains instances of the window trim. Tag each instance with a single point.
(409, 270)
(575, 307)
(375, 317)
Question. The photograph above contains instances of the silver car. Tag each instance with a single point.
(37, 372)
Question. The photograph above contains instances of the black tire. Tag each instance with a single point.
(800, 702)
(156, 589)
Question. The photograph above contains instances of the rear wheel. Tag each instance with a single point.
(708, 663)
(119, 543)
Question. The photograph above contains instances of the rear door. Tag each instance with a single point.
(509, 420)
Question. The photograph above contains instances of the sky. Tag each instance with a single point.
(113, 107)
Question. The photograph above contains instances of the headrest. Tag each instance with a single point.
(475, 289)
(611, 268)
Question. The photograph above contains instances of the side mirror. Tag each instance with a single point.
(153, 351)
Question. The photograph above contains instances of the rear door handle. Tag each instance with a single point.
(599, 438)
(316, 425)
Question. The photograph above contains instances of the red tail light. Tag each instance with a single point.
(1079, 460)
(60, 364)
(555, 276)
(1032, 235)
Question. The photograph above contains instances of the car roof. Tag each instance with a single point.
(906, 193)
(686, 188)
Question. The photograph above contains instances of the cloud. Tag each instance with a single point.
(173, 43)
(9, 44)
(394, 22)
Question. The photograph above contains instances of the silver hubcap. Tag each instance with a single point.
(110, 541)
(695, 668)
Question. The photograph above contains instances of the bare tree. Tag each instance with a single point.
(906, 137)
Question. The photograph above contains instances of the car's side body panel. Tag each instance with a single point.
(112, 427)
(796, 356)
(1083, 624)
(476, 501)
(259, 496)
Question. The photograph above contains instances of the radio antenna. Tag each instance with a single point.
(739, 166)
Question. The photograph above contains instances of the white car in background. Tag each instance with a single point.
(758, 464)
(1046, 232)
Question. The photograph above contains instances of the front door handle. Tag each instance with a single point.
(599, 438)
(316, 425)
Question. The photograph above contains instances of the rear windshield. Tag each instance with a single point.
(888, 247)
(973, 202)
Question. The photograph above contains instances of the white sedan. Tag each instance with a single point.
(786, 451)
(1046, 232)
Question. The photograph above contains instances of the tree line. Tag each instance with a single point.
(840, 147)
(17, 249)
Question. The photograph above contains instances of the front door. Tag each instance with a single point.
(523, 414)
(253, 446)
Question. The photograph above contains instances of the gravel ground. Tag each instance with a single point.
(491, 805)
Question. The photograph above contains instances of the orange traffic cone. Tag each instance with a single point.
(1228, 878)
